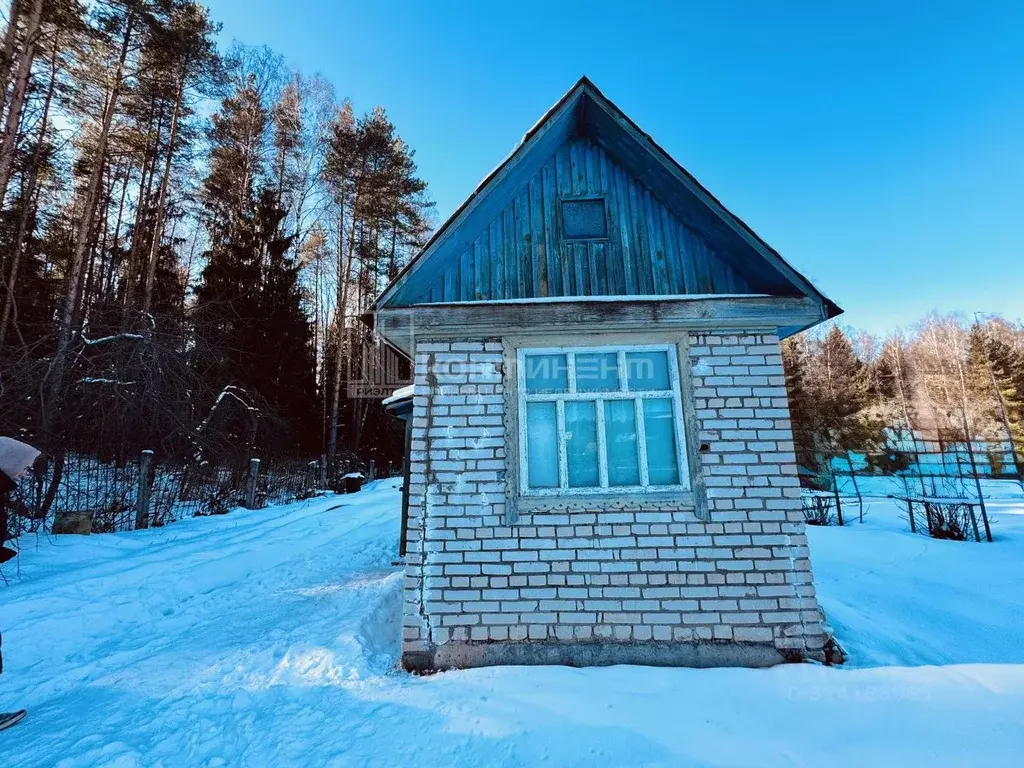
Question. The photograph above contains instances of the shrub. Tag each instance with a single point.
(818, 510)
(949, 521)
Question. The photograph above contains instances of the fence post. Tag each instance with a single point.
(250, 485)
(310, 477)
(142, 497)
(839, 504)
(323, 470)
(373, 470)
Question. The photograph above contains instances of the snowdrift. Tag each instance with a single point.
(269, 638)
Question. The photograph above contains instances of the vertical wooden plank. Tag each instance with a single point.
(450, 285)
(551, 238)
(742, 284)
(704, 284)
(593, 180)
(508, 249)
(524, 258)
(675, 271)
(625, 238)
(563, 185)
(595, 254)
(577, 165)
(497, 259)
(613, 249)
(642, 259)
(538, 258)
(577, 174)
(467, 282)
(659, 274)
(482, 268)
(718, 272)
(730, 277)
(686, 259)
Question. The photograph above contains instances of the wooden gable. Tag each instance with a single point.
(663, 235)
(525, 252)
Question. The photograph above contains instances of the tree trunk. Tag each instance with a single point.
(55, 374)
(99, 247)
(145, 192)
(344, 276)
(27, 198)
(13, 121)
(339, 322)
(113, 263)
(7, 48)
(161, 204)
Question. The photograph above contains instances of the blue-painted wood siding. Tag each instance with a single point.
(521, 253)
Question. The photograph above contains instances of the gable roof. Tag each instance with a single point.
(585, 112)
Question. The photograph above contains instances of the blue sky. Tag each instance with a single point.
(880, 150)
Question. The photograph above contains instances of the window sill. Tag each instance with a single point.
(590, 502)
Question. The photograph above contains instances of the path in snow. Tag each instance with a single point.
(268, 638)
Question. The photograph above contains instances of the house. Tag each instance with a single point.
(602, 466)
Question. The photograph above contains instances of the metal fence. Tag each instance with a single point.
(87, 494)
(944, 488)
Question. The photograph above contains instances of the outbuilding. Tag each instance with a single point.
(601, 465)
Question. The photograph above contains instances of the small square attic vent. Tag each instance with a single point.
(584, 219)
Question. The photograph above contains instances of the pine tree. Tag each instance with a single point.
(801, 410)
(382, 217)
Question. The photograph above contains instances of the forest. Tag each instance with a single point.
(949, 383)
(190, 233)
(188, 237)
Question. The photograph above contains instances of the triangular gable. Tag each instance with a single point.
(670, 229)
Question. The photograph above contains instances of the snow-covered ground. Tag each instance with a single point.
(268, 638)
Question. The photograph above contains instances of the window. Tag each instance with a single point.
(584, 219)
(599, 420)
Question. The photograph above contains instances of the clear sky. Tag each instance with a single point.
(879, 147)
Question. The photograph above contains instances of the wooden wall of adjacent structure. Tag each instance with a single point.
(521, 254)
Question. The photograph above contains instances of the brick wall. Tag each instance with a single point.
(600, 586)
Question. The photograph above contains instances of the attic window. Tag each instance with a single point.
(584, 219)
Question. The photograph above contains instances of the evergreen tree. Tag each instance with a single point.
(251, 317)
(801, 409)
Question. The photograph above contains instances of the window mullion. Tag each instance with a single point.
(678, 418)
(623, 380)
(524, 462)
(641, 442)
(563, 467)
(570, 371)
(602, 448)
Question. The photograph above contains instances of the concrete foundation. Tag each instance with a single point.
(595, 654)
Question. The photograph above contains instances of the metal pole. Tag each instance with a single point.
(977, 478)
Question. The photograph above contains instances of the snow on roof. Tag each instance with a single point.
(400, 394)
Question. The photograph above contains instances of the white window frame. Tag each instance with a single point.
(673, 394)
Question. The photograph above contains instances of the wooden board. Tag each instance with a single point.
(648, 250)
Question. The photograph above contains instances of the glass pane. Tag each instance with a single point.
(620, 442)
(546, 373)
(597, 372)
(581, 444)
(542, 445)
(662, 466)
(647, 370)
